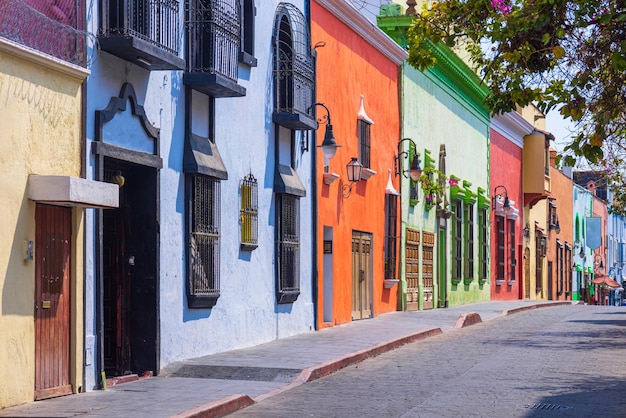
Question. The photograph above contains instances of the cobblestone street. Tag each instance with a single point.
(563, 361)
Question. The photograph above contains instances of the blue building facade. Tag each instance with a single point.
(201, 112)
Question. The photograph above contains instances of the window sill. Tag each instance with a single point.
(247, 59)
(511, 282)
(367, 173)
(202, 301)
(499, 282)
(287, 297)
(389, 283)
(248, 247)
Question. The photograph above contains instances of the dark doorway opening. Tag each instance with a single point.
(130, 271)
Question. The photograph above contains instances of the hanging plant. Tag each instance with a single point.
(432, 187)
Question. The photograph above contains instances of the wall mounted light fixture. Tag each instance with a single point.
(329, 144)
(118, 178)
(415, 171)
(506, 205)
(354, 170)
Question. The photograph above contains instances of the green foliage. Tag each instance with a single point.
(431, 186)
(564, 55)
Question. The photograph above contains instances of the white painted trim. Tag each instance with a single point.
(512, 126)
(348, 14)
(73, 191)
(42, 59)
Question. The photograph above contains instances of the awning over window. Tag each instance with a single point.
(201, 156)
(286, 180)
(73, 191)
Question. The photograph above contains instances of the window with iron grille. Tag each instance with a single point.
(560, 268)
(203, 251)
(364, 129)
(469, 241)
(213, 37)
(457, 238)
(539, 254)
(483, 244)
(53, 28)
(567, 288)
(391, 238)
(500, 245)
(249, 213)
(512, 254)
(246, 53)
(294, 68)
(553, 219)
(153, 21)
(288, 248)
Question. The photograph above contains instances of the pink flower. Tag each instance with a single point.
(501, 6)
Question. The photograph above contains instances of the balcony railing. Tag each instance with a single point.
(213, 40)
(53, 32)
(146, 32)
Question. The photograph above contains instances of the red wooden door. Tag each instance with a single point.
(52, 301)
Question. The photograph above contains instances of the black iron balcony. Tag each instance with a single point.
(55, 33)
(144, 32)
(213, 40)
(294, 70)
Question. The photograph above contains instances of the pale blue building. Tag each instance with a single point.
(201, 111)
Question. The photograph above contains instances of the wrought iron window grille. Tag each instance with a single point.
(249, 213)
(59, 35)
(154, 22)
(288, 248)
(512, 253)
(364, 129)
(391, 238)
(203, 250)
(294, 70)
(483, 246)
(214, 37)
(457, 242)
(500, 248)
(469, 242)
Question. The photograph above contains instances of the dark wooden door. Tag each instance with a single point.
(116, 296)
(53, 225)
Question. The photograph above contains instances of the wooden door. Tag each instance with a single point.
(428, 249)
(411, 268)
(53, 225)
(116, 296)
(361, 275)
(527, 273)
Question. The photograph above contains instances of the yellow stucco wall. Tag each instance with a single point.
(40, 120)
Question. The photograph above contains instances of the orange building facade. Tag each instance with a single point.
(560, 245)
(357, 222)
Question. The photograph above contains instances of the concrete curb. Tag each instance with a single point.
(537, 306)
(218, 408)
(467, 319)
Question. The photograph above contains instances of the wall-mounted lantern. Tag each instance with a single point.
(329, 144)
(415, 171)
(354, 170)
(506, 205)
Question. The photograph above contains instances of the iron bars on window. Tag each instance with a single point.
(249, 213)
(214, 37)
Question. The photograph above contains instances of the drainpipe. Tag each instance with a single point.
(314, 271)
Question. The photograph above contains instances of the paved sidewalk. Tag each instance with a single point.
(221, 383)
